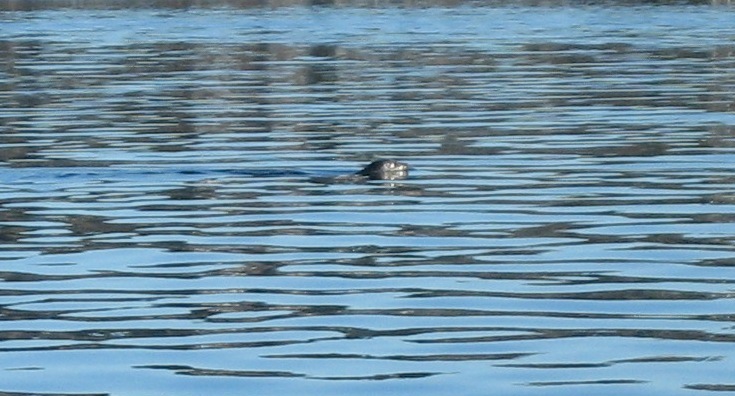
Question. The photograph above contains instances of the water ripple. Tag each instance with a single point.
(174, 207)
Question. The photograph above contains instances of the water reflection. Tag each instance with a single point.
(177, 202)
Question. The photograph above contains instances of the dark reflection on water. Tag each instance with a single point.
(175, 209)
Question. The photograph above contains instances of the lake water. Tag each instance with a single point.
(172, 223)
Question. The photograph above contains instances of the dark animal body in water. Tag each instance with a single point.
(54, 177)
(385, 169)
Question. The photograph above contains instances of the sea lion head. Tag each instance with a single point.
(385, 169)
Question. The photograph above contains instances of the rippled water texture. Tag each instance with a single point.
(176, 220)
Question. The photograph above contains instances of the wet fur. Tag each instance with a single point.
(385, 169)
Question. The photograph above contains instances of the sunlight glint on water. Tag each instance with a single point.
(179, 213)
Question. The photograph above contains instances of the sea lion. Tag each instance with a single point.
(385, 169)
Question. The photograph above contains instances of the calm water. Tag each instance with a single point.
(172, 224)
